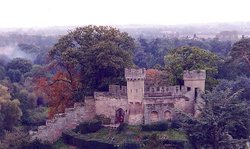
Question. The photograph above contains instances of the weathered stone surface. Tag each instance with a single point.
(65, 121)
(135, 104)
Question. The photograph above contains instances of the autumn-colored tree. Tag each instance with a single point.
(60, 90)
(98, 53)
(156, 77)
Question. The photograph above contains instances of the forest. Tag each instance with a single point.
(42, 75)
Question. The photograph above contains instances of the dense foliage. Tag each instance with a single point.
(191, 58)
(46, 74)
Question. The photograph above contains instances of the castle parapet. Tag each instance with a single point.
(135, 74)
(194, 75)
(158, 91)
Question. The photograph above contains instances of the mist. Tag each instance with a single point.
(12, 52)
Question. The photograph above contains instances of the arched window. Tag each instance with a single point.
(167, 115)
(154, 116)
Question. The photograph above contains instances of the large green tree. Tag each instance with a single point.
(100, 53)
(23, 65)
(241, 51)
(10, 111)
(223, 117)
(191, 58)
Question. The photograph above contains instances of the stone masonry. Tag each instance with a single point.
(68, 120)
(134, 104)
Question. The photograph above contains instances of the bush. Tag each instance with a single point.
(36, 145)
(89, 127)
(122, 127)
(160, 126)
(175, 124)
(130, 146)
(176, 144)
(72, 138)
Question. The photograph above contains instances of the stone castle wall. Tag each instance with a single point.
(118, 90)
(68, 120)
(163, 108)
(107, 104)
(134, 74)
(160, 91)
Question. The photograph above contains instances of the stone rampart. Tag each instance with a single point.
(118, 90)
(194, 75)
(135, 74)
(68, 120)
(161, 91)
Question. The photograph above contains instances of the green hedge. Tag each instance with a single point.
(177, 144)
(160, 126)
(74, 139)
(122, 127)
(89, 127)
(130, 146)
(36, 145)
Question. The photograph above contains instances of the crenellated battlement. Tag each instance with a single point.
(135, 74)
(160, 91)
(194, 75)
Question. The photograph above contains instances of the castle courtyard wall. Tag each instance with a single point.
(68, 120)
(107, 104)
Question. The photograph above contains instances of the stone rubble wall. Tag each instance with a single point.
(68, 120)
(108, 105)
(161, 91)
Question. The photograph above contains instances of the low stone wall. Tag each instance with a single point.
(108, 105)
(68, 120)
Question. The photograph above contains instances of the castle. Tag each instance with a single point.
(138, 103)
(135, 104)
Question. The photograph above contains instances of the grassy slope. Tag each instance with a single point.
(132, 133)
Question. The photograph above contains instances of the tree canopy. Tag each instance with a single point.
(224, 117)
(241, 50)
(191, 58)
(100, 53)
(10, 112)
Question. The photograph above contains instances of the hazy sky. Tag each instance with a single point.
(43, 13)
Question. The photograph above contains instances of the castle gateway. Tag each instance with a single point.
(140, 103)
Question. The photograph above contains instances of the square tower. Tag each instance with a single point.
(135, 93)
(195, 79)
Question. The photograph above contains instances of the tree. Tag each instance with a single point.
(86, 59)
(10, 112)
(191, 58)
(60, 91)
(223, 116)
(241, 50)
(100, 53)
(23, 65)
(14, 75)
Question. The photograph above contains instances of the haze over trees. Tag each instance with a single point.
(55, 72)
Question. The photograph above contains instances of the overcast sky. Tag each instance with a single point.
(44, 13)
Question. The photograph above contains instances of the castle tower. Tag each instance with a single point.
(135, 92)
(195, 79)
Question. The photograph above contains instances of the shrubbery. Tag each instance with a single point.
(160, 126)
(122, 127)
(89, 127)
(36, 145)
(72, 138)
